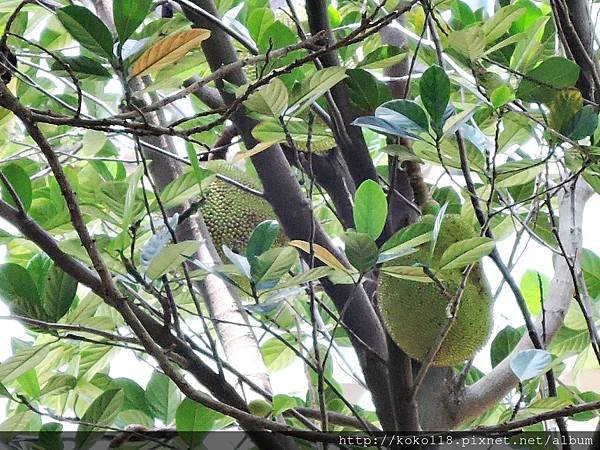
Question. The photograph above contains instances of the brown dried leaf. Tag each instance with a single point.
(168, 51)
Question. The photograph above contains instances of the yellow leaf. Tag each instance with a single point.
(261, 146)
(321, 253)
(168, 51)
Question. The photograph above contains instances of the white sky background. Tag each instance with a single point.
(292, 380)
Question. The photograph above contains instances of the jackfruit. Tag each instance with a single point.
(414, 313)
(230, 213)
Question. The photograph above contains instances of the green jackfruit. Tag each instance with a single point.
(230, 213)
(414, 313)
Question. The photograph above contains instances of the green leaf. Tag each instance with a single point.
(531, 363)
(192, 417)
(170, 257)
(434, 88)
(259, 21)
(162, 396)
(383, 57)
(408, 109)
(590, 265)
(501, 22)
(313, 274)
(569, 342)
(502, 95)
(50, 437)
(282, 403)
(271, 100)
(361, 250)
(437, 225)
(129, 208)
(463, 253)
(29, 384)
(102, 411)
(59, 292)
(21, 184)
(87, 29)
(410, 273)
(411, 236)
(534, 286)
(200, 174)
(135, 396)
(543, 83)
(262, 238)
(514, 173)
(21, 362)
(583, 124)
(19, 291)
(370, 209)
(81, 65)
(4, 392)
(504, 342)
(270, 131)
(276, 354)
(321, 82)
(273, 264)
(470, 42)
(366, 92)
(59, 384)
(128, 15)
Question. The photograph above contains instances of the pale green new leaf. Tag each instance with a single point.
(170, 257)
(463, 253)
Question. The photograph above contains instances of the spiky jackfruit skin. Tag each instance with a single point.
(414, 313)
(230, 213)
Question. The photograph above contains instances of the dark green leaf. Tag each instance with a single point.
(542, 83)
(162, 397)
(361, 250)
(192, 417)
(262, 238)
(583, 124)
(128, 15)
(273, 264)
(50, 437)
(59, 384)
(434, 88)
(382, 57)
(135, 397)
(59, 292)
(504, 343)
(21, 184)
(19, 292)
(370, 209)
(81, 65)
(366, 92)
(103, 410)
(87, 29)
(590, 265)
(417, 119)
